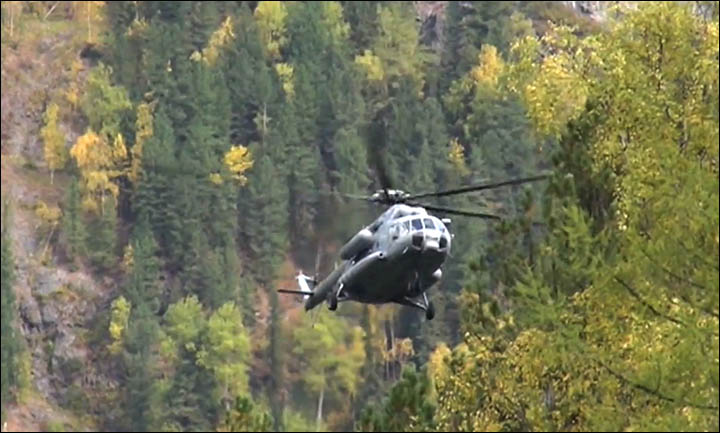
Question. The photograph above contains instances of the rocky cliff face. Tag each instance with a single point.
(595, 10)
(431, 15)
(58, 310)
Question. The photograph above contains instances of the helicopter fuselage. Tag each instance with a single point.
(395, 259)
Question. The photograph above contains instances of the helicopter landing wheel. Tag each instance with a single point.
(332, 301)
(430, 312)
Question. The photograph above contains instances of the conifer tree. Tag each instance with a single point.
(9, 349)
(264, 216)
(103, 240)
(73, 224)
(143, 287)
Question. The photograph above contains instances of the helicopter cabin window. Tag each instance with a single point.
(417, 224)
(428, 223)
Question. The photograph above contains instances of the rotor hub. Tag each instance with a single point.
(391, 196)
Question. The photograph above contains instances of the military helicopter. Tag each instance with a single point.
(399, 256)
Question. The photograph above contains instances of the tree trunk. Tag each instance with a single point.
(88, 14)
(319, 409)
(12, 19)
(50, 11)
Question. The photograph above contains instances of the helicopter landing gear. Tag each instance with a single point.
(430, 312)
(427, 306)
(333, 299)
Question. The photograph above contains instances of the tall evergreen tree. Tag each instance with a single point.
(10, 345)
(143, 287)
(103, 240)
(73, 224)
(155, 194)
(470, 25)
(362, 16)
(141, 393)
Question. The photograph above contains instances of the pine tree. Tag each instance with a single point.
(155, 195)
(9, 348)
(188, 404)
(362, 17)
(143, 285)
(74, 229)
(264, 216)
(103, 240)
(469, 26)
(55, 152)
(277, 363)
(406, 408)
(141, 397)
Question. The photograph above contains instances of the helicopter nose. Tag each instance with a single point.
(431, 245)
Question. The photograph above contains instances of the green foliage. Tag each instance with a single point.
(211, 357)
(265, 217)
(407, 407)
(143, 393)
(73, 224)
(245, 416)
(362, 16)
(227, 350)
(331, 355)
(102, 242)
(473, 25)
(56, 154)
(143, 266)
(106, 106)
(9, 349)
(610, 319)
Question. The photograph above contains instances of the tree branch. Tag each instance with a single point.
(646, 304)
(50, 11)
(669, 272)
(654, 392)
(684, 280)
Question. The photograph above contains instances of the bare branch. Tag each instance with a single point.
(672, 274)
(646, 304)
(655, 392)
(50, 11)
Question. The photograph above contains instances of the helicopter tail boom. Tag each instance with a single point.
(321, 291)
(296, 292)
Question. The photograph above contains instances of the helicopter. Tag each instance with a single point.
(399, 256)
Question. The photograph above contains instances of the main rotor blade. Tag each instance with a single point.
(457, 211)
(479, 187)
(344, 194)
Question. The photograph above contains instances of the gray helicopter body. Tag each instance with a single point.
(396, 259)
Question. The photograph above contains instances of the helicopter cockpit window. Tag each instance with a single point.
(428, 223)
(417, 224)
(395, 230)
(406, 226)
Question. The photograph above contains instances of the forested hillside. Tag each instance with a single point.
(168, 166)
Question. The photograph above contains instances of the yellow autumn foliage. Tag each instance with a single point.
(238, 160)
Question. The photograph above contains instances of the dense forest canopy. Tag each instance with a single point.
(167, 166)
